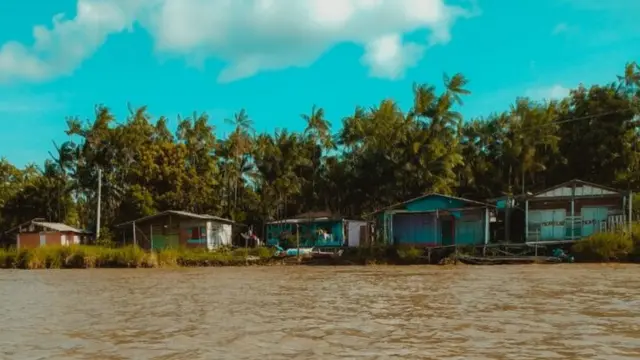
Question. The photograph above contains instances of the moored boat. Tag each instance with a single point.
(319, 254)
(280, 252)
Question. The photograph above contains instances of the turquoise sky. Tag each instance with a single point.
(277, 58)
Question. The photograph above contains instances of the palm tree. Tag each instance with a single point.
(240, 142)
(629, 82)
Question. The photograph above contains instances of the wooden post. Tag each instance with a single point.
(630, 212)
(573, 211)
(151, 236)
(487, 225)
(435, 229)
(135, 243)
(298, 241)
(526, 221)
(507, 220)
(246, 246)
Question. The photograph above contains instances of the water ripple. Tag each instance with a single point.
(529, 312)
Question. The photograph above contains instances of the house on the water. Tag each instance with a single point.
(317, 229)
(434, 220)
(175, 229)
(38, 232)
(573, 210)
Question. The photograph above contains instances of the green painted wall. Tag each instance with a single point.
(165, 242)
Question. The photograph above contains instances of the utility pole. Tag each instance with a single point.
(99, 199)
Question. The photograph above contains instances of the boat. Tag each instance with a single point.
(319, 254)
(280, 252)
(508, 260)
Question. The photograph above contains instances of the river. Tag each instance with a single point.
(495, 312)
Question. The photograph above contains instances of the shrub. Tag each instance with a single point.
(375, 254)
(167, 258)
(409, 253)
(263, 252)
(604, 246)
(7, 258)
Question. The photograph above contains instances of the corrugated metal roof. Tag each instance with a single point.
(179, 213)
(391, 207)
(195, 216)
(576, 182)
(57, 226)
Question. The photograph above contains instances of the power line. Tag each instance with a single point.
(565, 121)
(586, 117)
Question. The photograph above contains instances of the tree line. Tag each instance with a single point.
(379, 156)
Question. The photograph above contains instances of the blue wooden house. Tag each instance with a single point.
(312, 227)
(574, 210)
(434, 220)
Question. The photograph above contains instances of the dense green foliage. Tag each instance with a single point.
(604, 246)
(615, 246)
(380, 155)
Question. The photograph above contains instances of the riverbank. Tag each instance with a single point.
(86, 257)
(604, 247)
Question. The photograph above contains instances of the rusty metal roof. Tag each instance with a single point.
(391, 207)
(57, 226)
(179, 213)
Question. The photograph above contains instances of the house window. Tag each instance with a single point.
(198, 235)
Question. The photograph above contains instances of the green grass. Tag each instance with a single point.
(79, 257)
(600, 247)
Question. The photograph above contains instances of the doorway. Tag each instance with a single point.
(447, 230)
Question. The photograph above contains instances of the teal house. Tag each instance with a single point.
(434, 220)
(574, 210)
(320, 229)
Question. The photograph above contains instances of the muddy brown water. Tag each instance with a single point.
(500, 312)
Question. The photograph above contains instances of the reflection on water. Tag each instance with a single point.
(510, 312)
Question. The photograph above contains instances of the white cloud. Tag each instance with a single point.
(60, 49)
(249, 35)
(555, 92)
(388, 56)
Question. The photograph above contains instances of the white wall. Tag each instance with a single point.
(218, 234)
(210, 236)
(353, 236)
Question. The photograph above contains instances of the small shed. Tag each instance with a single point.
(434, 220)
(573, 210)
(174, 229)
(39, 232)
(317, 229)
